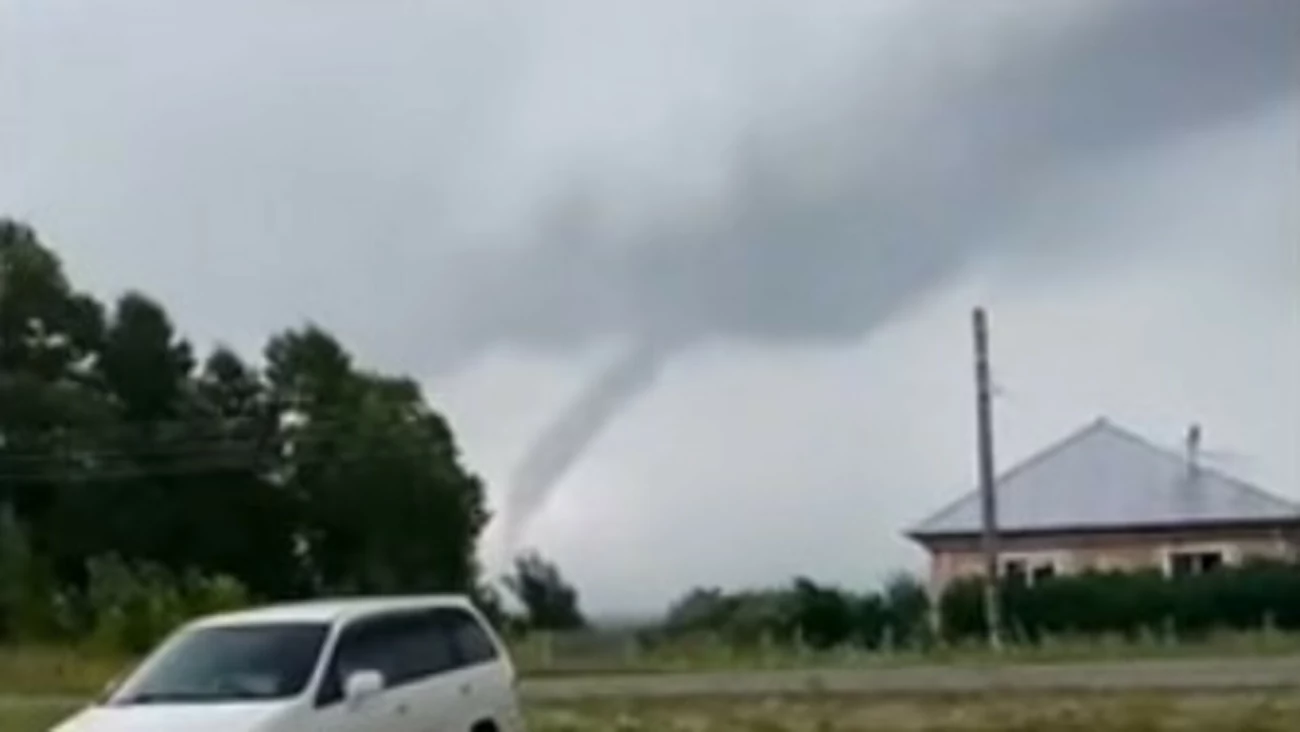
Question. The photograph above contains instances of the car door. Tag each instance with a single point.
(441, 700)
(483, 676)
(392, 644)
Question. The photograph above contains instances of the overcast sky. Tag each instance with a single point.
(780, 212)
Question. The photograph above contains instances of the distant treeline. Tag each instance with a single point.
(1134, 606)
(804, 613)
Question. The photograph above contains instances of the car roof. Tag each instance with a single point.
(331, 611)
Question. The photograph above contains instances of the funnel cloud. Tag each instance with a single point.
(563, 441)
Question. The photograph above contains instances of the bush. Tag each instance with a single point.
(132, 607)
(805, 613)
(30, 606)
(1258, 596)
(123, 608)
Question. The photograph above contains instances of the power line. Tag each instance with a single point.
(94, 439)
(112, 464)
(332, 414)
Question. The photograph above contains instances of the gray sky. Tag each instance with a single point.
(802, 198)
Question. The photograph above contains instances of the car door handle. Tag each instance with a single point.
(466, 690)
(402, 709)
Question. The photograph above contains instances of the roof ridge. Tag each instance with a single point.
(1034, 458)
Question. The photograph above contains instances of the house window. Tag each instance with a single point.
(1029, 570)
(1015, 569)
(1191, 563)
(1042, 573)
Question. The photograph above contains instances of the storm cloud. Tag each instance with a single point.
(824, 233)
(880, 185)
(442, 180)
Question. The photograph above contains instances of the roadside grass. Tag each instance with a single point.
(21, 716)
(1003, 713)
(66, 671)
(547, 655)
(1019, 713)
(56, 671)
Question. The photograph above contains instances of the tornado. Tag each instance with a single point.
(565, 439)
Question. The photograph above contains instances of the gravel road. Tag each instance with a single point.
(1199, 675)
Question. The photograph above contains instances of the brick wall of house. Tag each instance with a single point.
(953, 559)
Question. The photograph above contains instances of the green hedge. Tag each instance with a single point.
(1254, 597)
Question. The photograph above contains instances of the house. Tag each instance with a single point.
(1105, 499)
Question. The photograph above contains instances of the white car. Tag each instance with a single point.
(421, 664)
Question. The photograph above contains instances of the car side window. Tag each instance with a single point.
(473, 646)
(405, 648)
(430, 650)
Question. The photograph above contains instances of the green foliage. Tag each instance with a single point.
(1258, 596)
(907, 609)
(26, 608)
(818, 617)
(128, 608)
(550, 602)
(147, 481)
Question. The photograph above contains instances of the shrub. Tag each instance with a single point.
(1256, 596)
(132, 607)
(29, 605)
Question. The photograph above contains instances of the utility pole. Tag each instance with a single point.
(987, 481)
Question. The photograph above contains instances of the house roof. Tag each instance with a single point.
(1105, 478)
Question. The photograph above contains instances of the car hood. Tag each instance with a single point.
(175, 718)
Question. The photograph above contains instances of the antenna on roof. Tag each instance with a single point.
(1193, 449)
(1199, 456)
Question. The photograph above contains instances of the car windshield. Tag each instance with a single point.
(227, 664)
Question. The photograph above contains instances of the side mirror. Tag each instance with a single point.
(361, 686)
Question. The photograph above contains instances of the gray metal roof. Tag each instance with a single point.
(1104, 477)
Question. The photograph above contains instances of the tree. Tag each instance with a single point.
(49, 335)
(22, 600)
(701, 609)
(550, 602)
(46, 327)
(415, 525)
(238, 484)
(121, 446)
(907, 604)
(823, 615)
(133, 500)
(145, 366)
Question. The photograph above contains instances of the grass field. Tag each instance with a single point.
(55, 671)
(602, 653)
(1110, 713)
(34, 679)
(30, 717)
(68, 672)
(1228, 713)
